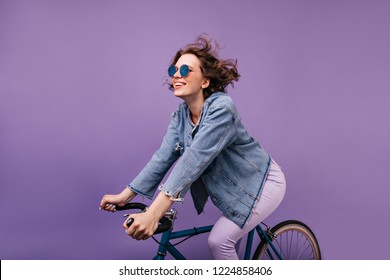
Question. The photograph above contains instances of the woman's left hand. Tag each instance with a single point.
(143, 226)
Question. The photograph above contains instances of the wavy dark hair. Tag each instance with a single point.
(221, 72)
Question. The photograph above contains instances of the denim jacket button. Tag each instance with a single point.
(234, 213)
(213, 199)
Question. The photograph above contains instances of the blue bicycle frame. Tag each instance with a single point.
(166, 246)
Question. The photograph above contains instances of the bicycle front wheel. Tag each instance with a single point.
(293, 240)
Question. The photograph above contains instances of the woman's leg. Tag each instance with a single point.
(225, 234)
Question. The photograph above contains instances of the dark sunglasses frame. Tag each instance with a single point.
(184, 70)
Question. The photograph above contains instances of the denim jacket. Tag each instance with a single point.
(215, 158)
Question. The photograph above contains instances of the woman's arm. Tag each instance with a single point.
(150, 177)
(109, 200)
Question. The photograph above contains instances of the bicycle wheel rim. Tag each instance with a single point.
(294, 241)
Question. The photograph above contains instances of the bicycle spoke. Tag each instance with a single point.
(294, 240)
(303, 249)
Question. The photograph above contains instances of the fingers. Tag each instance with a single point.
(136, 230)
(106, 203)
(108, 207)
(137, 234)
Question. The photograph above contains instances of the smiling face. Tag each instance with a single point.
(194, 83)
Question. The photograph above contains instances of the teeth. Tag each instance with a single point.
(179, 84)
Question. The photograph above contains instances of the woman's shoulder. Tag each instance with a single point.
(222, 100)
(180, 111)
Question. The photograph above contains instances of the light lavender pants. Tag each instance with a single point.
(225, 234)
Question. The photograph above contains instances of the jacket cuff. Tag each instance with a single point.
(172, 196)
(139, 192)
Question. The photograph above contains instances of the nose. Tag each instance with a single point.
(177, 74)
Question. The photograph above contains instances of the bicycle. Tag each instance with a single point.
(288, 240)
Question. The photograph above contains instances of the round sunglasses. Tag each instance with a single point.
(184, 70)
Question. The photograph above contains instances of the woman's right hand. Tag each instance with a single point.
(109, 201)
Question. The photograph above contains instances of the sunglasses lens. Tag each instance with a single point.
(184, 70)
(172, 70)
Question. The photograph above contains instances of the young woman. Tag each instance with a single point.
(215, 156)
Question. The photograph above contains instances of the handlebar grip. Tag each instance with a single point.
(165, 224)
(132, 205)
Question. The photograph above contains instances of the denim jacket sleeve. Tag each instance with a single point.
(152, 174)
(216, 132)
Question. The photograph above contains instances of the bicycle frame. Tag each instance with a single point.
(269, 238)
(166, 246)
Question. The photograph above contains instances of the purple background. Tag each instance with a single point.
(83, 106)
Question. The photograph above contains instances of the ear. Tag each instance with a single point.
(205, 83)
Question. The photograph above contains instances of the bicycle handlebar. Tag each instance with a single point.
(132, 205)
(165, 223)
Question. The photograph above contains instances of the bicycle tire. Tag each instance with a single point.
(293, 239)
